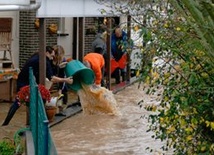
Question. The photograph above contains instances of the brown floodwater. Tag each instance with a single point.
(125, 134)
(98, 134)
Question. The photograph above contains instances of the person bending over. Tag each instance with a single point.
(96, 62)
(22, 80)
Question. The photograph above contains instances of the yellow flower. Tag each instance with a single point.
(171, 129)
(189, 138)
(204, 75)
(203, 148)
(212, 125)
(207, 123)
(137, 73)
(161, 119)
(189, 130)
(166, 25)
(136, 28)
(178, 28)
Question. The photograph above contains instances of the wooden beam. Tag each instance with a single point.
(74, 54)
(128, 74)
(81, 38)
(42, 50)
(108, 63)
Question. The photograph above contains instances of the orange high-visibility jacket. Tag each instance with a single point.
(97, 63)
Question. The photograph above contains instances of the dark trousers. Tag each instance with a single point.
(119, 73)
(14, 107)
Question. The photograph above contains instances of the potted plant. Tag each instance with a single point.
(23, 96)
(9, 146)
(52, 107)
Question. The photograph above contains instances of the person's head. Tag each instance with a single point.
(59, 54)
(50, 52)
(98, 49)
(118, 32)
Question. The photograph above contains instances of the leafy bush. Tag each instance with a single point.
(7, 147)
(178, 56)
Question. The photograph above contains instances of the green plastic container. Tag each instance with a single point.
(80, 73)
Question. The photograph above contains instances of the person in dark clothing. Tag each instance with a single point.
(24, 74)
(99, 46)
(119, 46)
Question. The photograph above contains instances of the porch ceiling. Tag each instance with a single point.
(70, 8)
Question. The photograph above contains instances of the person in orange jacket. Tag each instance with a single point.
(96, 62)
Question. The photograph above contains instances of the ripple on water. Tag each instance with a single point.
(126, 134)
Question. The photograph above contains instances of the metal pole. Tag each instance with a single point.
(46, 137)
(37, 123)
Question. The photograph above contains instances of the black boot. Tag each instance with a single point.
(14, 107)
(123, 74)
(117, 76)
(65, 98)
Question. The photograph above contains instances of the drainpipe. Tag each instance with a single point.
(33, 6)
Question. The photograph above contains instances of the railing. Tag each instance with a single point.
(42, 140)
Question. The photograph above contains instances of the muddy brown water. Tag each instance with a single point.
(84, 134)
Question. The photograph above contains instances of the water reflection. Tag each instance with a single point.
(108, 135)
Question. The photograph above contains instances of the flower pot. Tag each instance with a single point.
(50, 112)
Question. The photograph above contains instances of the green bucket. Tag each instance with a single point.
(80, 74)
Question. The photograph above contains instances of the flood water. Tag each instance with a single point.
(85, 134)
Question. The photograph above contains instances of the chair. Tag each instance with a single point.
(5, 42)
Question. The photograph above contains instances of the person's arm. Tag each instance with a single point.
(56, 79)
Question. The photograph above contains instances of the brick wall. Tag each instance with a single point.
(89, 38)
(29, 35)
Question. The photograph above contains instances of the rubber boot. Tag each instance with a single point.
(117, 75)
(123, 74)
(65, 98)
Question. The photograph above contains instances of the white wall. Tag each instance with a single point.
(15, 35)
(66, 41)
(71, 8)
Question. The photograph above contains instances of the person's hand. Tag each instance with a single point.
(63, 64)
(120, 47)
(69, 80)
